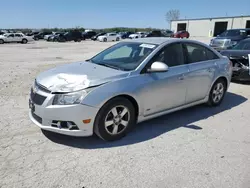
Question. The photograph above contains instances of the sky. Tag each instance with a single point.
(111, 13)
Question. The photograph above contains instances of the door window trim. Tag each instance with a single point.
(150, 62)
(186, 54)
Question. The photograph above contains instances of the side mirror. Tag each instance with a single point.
(158, 67)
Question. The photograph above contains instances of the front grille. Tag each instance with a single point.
(36, 98)
(36, 117)
(42, 88)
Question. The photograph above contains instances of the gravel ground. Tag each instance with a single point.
(194, 148)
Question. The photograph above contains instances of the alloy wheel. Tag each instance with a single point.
(218, 92)
(117, 120)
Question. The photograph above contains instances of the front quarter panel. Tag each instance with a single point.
(131, 86)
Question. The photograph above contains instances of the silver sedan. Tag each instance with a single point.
(130, 82)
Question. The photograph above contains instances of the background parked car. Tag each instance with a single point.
(109, 37)
(96, 36)
(159, 33)
(51, 37)
(88, 35)
(41, 35)
(182, 34)
(239, 56)
(137, 35)
(229, 38)
(69, 36)
(14, 37)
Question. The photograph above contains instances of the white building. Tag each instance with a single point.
(209, 27)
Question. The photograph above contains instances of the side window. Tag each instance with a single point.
(211, 55)
(18, 35)
(122, 52)
(11, 35)
(172, 55)
(196, 53)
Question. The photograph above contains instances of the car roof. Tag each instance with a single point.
(154, 40)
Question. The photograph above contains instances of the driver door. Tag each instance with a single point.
(10, 38)
(165, 90)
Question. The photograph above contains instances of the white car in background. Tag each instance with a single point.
(137, 35)
(109, 37)
(15, 37)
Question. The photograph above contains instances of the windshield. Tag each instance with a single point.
(243, 45)
(233, 33)
(124, 56)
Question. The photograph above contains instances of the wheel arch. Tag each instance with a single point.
(224, 78)
(128, 97)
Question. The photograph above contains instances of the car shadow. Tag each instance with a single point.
(153, 128)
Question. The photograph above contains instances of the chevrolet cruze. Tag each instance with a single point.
(130, 82)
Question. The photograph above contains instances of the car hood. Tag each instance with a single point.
(233, 38)
(230, 53)
(78, 76)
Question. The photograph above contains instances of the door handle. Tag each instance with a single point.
(181, 77)
(209, 69)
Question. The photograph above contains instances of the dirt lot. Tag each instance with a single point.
(198, 147)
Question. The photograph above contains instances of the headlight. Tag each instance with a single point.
(70, 98)
(233, 43)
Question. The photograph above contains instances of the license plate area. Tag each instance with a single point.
(31, 106)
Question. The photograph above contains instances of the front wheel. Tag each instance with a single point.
(117, 39)
(105, 40)
(115, 119)
(1, 41)
(217, 93)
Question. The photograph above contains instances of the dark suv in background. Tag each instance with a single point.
(88, 35)
(229, 38)
(74, 35)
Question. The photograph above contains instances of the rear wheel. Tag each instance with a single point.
(115, 119)
(24, 41)
(1, 41)
(117, 39)
(217, 93)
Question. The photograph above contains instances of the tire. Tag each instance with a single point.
(217, 93)
(1, 41)
(24, 41)
(105, 40)
(117, 39)
(114, 129)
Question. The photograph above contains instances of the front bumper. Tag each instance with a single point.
(48, 116)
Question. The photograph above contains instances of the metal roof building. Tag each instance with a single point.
(209, 27)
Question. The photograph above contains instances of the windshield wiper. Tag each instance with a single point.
(110, 66)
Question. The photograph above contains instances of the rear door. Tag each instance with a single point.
(17, 38)
(112, 36)
(202, 66)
